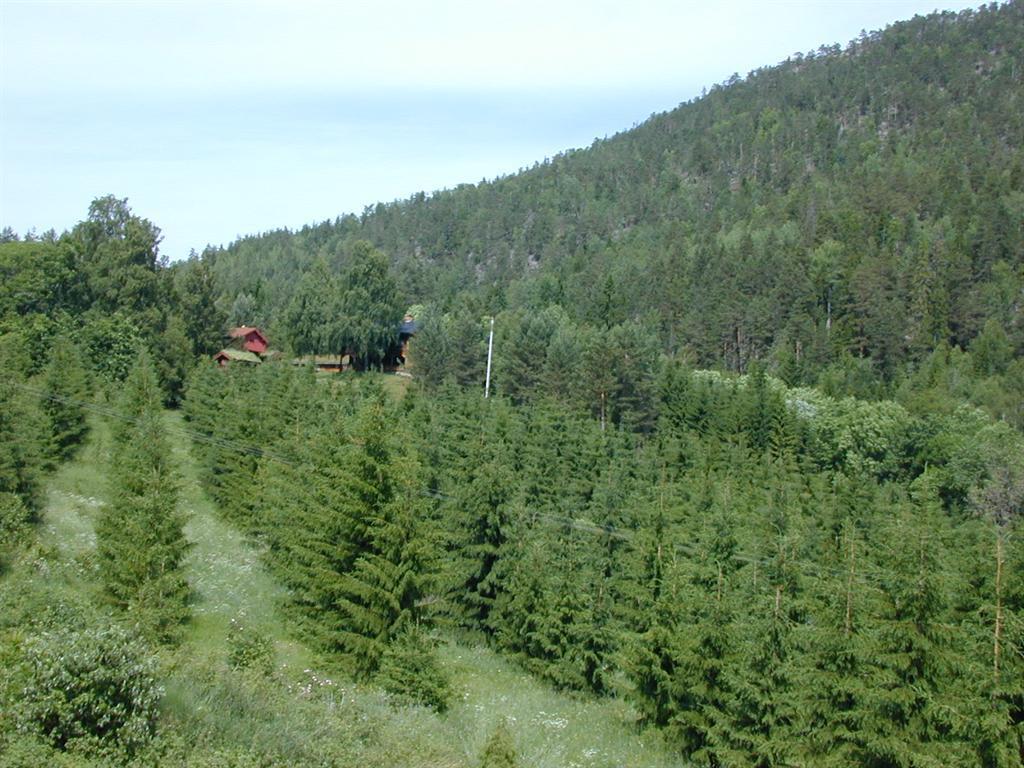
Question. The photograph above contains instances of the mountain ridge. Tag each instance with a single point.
(899, 154)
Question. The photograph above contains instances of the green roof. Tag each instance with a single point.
(239, 355)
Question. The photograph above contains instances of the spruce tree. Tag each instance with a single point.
(23, 441)
(653, 655)
(140, 533)
(483, 507)
(65, 388)
(345, 527)
(519, 616)
(832, 711)
(707, 647)
(912, 683)
(995, 669)
(140, 396)
(756, 726)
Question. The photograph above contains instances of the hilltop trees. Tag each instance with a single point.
(368, 306)
(203, 318)
(117, 254)
(104, 288)
(836, 217)
(356, 312)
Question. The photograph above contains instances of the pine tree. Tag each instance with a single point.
(66, 387)
(140, 533)
(911, 684)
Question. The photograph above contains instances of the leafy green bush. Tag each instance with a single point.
(14, 523)
(411, 673)
(249, 649)
(24, 750)
(92, 690)
(500, 751)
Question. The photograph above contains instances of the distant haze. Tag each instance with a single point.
(223, 119)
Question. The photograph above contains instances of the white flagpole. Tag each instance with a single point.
(490, 350)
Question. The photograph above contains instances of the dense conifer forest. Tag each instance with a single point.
(747, 489)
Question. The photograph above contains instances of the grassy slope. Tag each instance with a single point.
(293, 714)
(550, 728)
(224, 570)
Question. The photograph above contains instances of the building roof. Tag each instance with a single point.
(238, 355)
(244, 330)
(408, 327)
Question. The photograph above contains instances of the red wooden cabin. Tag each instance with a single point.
(251, 339)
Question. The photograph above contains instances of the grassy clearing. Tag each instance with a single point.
(551, 729)
(74, 496)
(394, 385)
(225, 572)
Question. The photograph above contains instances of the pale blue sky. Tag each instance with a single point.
(218, 119)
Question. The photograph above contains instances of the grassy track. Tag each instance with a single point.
(224, 568)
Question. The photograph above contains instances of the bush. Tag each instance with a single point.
(28, 751)
(15, 518)
(500, 751)
(411, 673)
(249, 649)
(92, 690)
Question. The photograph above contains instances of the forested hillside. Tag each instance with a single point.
(746, 491)
(850, 210)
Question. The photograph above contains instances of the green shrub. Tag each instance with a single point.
(249, 649)
(14, 525)
(229, 758)
(500, 751)
(411, 672)
(24, 750)
(92, 690)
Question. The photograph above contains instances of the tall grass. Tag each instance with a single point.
(550, 729)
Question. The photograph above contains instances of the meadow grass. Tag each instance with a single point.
(225, 570)
(394, 385)
(74, 495)
(551, 729)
